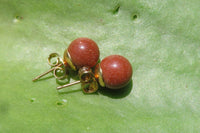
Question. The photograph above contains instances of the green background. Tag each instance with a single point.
(161, 39)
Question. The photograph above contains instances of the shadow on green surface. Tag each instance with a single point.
(69, 91)
(4, 108)
(63, 81)
(117, 94)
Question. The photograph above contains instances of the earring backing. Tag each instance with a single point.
(87, 80)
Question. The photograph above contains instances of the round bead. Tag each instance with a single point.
(83, 52)
(116, 71)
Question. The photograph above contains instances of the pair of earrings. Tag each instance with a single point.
(82, 55)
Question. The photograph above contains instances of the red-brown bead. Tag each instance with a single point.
(83, 52)
(116, 71)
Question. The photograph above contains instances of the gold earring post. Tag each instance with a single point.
(41, 75)
(55, 66)
(70, 84)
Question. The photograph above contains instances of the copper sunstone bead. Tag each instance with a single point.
(82, 52)
(114, 72)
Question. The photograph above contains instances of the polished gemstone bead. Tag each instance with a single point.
(83, 52)
(116, 71)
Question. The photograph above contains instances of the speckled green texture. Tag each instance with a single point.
(160, 38)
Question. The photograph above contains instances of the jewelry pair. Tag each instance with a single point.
(82, 55)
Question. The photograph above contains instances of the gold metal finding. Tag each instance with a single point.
(67, 59)
(55, 66)
(70, 84)
(41, 75)
(98, 75)
(90, 87)
(87, 80)
(58, 59)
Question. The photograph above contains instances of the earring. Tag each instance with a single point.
(81, 52)
(114, 72)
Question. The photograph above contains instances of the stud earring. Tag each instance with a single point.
(114, 72)
(81, 52)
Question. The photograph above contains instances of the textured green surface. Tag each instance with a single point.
(160, 38)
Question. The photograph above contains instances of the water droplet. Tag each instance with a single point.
(61, 102)
(17, 19)
(64, 100)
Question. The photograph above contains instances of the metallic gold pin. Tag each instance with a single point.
(58, 65)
